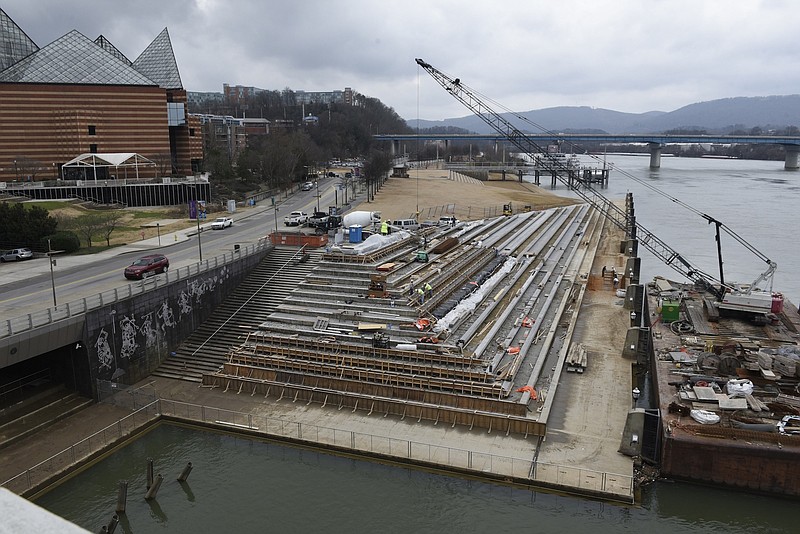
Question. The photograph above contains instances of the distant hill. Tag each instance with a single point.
(716, 116)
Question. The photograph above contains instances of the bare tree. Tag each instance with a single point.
(109, 222)
(87, 226)
(163, 160)
(27, 167)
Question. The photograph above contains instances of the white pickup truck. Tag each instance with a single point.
(296, 218)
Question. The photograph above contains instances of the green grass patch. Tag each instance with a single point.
(50, 205)
(147, 214)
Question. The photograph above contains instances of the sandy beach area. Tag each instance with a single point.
(427, 194)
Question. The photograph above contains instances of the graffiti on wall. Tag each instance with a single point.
(154, 324)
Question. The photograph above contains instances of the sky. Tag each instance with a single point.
(625, 55)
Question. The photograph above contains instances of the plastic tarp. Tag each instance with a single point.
(704, 417)
(739, 388)
(373, 243)
(469, 304)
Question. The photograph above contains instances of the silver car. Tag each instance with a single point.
(16, 254)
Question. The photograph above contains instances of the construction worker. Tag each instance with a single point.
(428, 290)
(384, 228)
(421, 295)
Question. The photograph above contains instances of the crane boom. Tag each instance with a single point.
(611, 211)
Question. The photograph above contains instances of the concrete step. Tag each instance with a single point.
(206, 349)
(32, 422)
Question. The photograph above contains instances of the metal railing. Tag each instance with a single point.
(50, 315)
(60, 462)
(578, 480)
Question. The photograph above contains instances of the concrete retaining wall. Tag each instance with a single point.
(126, 341)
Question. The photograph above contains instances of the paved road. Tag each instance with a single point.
(27, 287)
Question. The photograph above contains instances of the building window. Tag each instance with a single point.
(191, 132)
(93, 148)
(92, 129)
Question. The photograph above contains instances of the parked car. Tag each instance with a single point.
(318, 218)
(147, 266)
(220, 223)
(296, 218)
(409, 225)
(308, 186)
(17, 254)
(448, 220)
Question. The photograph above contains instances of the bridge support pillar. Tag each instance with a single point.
(394, 147)
(790, 163)
(655, 155)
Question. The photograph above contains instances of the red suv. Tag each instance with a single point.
(147, 266)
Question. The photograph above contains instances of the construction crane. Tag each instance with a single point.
(740, 298)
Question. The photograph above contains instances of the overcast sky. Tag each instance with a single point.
(625, 55)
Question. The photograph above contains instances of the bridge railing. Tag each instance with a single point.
(17, 325)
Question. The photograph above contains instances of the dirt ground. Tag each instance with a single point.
(431, 193)
(427, 194)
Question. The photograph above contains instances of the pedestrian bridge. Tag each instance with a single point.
(656, 142)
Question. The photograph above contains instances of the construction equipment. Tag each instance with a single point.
(380, 340)
(377, 286)
(729, 297)
(507, 210)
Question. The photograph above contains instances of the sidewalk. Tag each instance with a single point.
(23, 270)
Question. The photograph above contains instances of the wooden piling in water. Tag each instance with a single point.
(151, 493)
(185, 473)
(122, 496)
(149, 473)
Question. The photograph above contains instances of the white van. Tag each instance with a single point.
(406, 224)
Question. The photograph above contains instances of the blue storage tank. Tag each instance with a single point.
(355, 233)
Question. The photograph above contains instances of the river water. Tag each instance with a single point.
(239, 485)
(758, 200)
(245, 486)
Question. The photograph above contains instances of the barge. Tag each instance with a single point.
(727, 391)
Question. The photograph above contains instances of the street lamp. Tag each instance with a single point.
(52, 274)
(197, 218)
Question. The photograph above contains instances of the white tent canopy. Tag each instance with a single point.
(119, 159)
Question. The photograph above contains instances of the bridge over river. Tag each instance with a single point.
(656, 142)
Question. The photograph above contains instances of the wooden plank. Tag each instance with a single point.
(705, 393)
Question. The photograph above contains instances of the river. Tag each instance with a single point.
(245, 486)
(240, 485)
(758, 200)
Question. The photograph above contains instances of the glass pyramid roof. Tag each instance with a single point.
(73, 59)
(106, 45)
(157, 62)
(14, 44)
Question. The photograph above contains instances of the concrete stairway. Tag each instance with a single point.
(38, 412)
(247, 307)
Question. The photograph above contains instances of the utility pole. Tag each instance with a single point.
(52, 274)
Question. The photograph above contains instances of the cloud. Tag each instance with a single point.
(627, 55)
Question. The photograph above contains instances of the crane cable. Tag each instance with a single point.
(625, 173)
